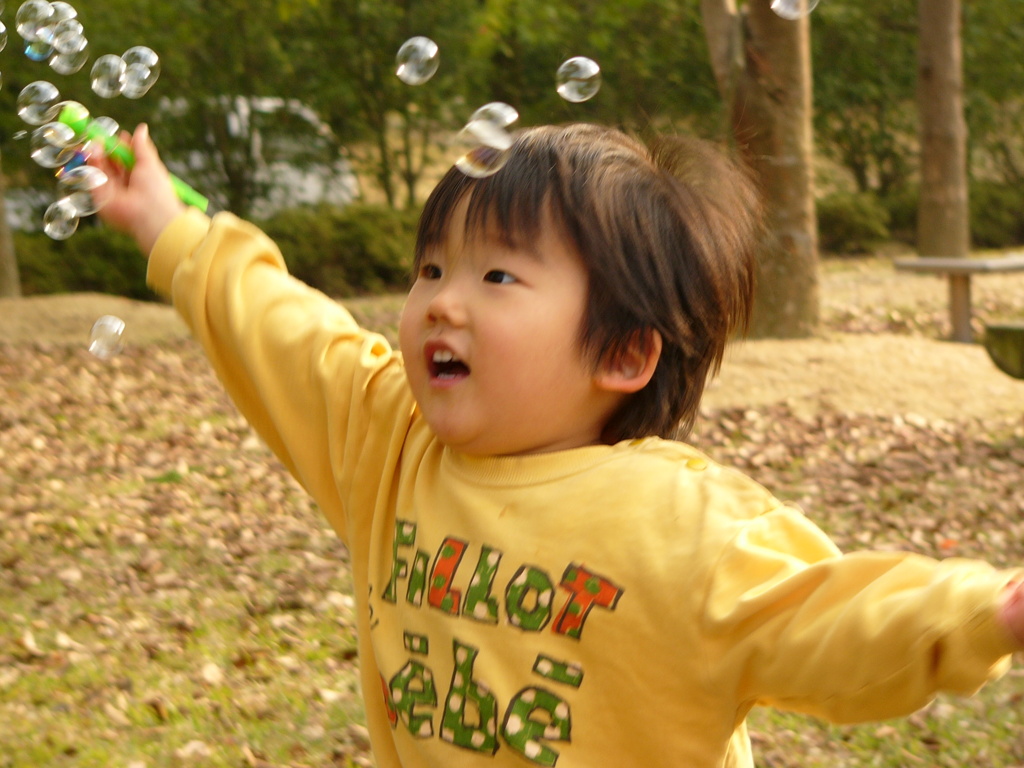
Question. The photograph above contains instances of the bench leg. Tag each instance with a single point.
(960, 307)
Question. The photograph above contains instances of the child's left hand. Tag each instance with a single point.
(141, 201)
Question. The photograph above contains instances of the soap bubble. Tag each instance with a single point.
(38, 50)
(487, 140)
(60, 220)
(793, 9)
(32, 16)
(76, 112)
(578, 79)
(142, 68)
(99, 128)
(77, 160)
(52, 144)
(417, 60)
(106, 340)
(108, 76)
(3, 34)
(105, 125)
(83, 187)
(63, 11)
(69, 63)
(68, 36)
(37, 102)
(72, 114)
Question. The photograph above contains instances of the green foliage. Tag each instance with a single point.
(865, 114)
(901, 203)
(997, 214)
(851, 222)
(96, 259)
(653, 56)
(358, 249)
(344, 51)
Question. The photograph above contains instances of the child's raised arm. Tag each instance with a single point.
(141, 201)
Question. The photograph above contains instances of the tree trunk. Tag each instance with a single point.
(943, 216)
(10, 282)
(763, 66)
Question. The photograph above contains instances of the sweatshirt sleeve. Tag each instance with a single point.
(796, 625)
(296, 364)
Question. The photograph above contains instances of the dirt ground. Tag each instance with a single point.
(873, 370)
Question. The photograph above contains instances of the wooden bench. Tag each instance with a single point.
(959, 272)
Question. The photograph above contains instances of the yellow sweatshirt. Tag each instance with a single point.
(620, 605)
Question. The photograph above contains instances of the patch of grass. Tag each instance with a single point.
(984, 731)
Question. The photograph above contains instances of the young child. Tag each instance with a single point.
(543, 575)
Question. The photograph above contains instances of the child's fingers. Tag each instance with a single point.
(143, 147)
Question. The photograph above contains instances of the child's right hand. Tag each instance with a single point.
(142, 201)
(1012, 610)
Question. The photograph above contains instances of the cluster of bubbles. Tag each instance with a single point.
(63, 134)
(52, 32)
(64, 138)
(131, 74)
(485, 140)
(793, 9)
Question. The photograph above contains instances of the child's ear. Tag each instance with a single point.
(631, 369)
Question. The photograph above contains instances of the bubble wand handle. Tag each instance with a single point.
(83, 125)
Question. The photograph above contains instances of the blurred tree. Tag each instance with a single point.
(943, 221)
(763, 66)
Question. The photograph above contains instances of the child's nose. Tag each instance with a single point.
(447, 306)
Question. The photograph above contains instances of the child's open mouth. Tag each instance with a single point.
(445, 366)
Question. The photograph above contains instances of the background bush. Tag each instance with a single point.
(997, 214)
(851, 222)
(95, 259)
(901, 203)
(356, 250)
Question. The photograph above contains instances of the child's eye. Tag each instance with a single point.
(430, 271)
(499, 276)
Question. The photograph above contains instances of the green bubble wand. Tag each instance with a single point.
(77, 118)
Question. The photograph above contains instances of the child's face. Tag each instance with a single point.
(489, 335)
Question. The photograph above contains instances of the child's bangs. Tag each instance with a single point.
(508, 205)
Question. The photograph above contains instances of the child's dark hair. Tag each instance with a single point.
(667, 234)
